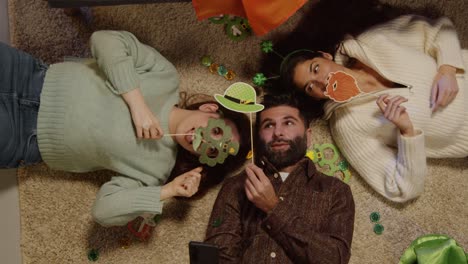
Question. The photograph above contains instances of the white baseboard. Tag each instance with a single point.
(4, 29)
(10, 235)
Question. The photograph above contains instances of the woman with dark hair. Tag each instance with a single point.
(119, 112)
(411, 103)
(212, 176)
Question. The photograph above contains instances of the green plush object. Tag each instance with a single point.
(434, 249)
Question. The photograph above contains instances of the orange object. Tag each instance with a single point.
(263, 15)
(341, 87)
(140, 228)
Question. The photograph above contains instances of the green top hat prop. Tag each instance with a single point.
(241, 97)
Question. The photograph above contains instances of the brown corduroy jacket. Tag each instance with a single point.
(312, 223)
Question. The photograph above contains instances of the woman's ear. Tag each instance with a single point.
(327, 55)
(309, 137)
(208, 108)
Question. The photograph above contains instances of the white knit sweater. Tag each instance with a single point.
(408, 51)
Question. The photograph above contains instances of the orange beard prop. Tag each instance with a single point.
(341, 87)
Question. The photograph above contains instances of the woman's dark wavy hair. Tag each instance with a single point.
(323, 28)
(314, 106)
(212, 176)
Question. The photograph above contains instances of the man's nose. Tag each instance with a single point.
(279, 131)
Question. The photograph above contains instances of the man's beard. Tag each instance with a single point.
(282, 159)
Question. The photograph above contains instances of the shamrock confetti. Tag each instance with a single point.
(93, 255)
(259, 79)
(267, 46)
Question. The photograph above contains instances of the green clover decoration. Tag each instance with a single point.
(93, 255)
(374, 217)
(267, 46)
(343, 165)
(259, 79)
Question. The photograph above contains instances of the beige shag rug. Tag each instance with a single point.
(56, 225)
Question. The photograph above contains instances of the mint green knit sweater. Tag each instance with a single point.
(84, 124)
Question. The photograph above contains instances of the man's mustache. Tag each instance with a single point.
(280, 141)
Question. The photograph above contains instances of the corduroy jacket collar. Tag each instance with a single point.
(305, 164)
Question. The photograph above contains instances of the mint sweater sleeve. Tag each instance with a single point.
(122, 57)
(122, 199)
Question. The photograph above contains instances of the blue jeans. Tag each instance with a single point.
(21, 80)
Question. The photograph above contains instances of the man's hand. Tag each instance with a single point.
(259, 189)
(185, 185)
(145, 122)
(396, 113)
(444, 88)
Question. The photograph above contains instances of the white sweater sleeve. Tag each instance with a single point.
(397, 174)
(437, 38)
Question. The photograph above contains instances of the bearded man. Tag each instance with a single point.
(283, 210)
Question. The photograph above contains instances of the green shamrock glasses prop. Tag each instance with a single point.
(329, 166)
(214, 142)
